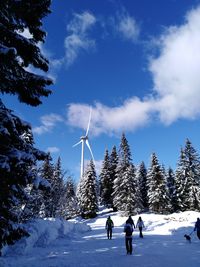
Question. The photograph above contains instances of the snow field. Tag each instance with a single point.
(58, 243)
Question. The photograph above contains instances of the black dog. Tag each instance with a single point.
(188, 238)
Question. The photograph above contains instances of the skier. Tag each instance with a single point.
(128, 229)
(109, 227)
(197, 227)
(140, 225)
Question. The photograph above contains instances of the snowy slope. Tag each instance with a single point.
(56, 243)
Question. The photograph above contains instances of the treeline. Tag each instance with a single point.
(134, 189)
(55, 198)
(121, 185)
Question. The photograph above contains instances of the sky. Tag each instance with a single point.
(61, 243)
(135, 63)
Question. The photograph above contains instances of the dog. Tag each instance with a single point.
(188, 238)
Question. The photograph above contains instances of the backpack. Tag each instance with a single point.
(128, 230)
(109, 223)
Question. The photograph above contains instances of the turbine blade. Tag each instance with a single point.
(88, 127)
(88, 145)
(77, 143)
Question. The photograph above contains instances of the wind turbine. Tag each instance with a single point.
(83, 141)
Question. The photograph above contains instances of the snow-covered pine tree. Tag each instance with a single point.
(193, 172)
(113, 169)
(17, 160)
(158, 199)
(170, 176)
(58, 189)
(32, 206)
(88, 200)
(188, 179)
(180, 183)
(105, 182)
(128, 196)
(170, 181)
(168, 206)
(18, 51)
(70, 204)
(142, 186)
(79, 191)
(47, 172)
(124, 183)
(124, 152)
(53, 198)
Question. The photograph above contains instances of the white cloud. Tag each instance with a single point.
(176, 92)
(48, 123)
(128, 27)
(133, 114)
(176, 71)
(53, 149)
(78, 39)
(81, 23)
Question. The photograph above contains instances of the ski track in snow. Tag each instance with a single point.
(93, 249)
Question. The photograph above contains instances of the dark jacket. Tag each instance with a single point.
(128, 233)
(130, 220)
(109, 224)
(197, 225)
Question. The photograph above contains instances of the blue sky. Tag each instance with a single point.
(136, 63)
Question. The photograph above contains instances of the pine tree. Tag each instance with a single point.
(17, 160)
(124, 152)
(142, 186)
(53, 197)
(193, 172)
(124, 183)
(88, 194)
(113, 170)
(171, 188)
(128, 195)
(170, 181)
(157, 194)
(32, 206)
(187, 179)
(180, 183)
(106, 184)
(57, 189)
(18, 51)
(47, 172)
(17, 154)
(70, 204)
(168, 206)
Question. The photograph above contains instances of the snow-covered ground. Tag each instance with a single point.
(56, 243)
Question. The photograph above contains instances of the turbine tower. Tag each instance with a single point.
(83, 141)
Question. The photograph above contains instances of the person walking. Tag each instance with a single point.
(109, 227)
(197, 227)
(130, 220)
(140, 225)
(128, 230)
